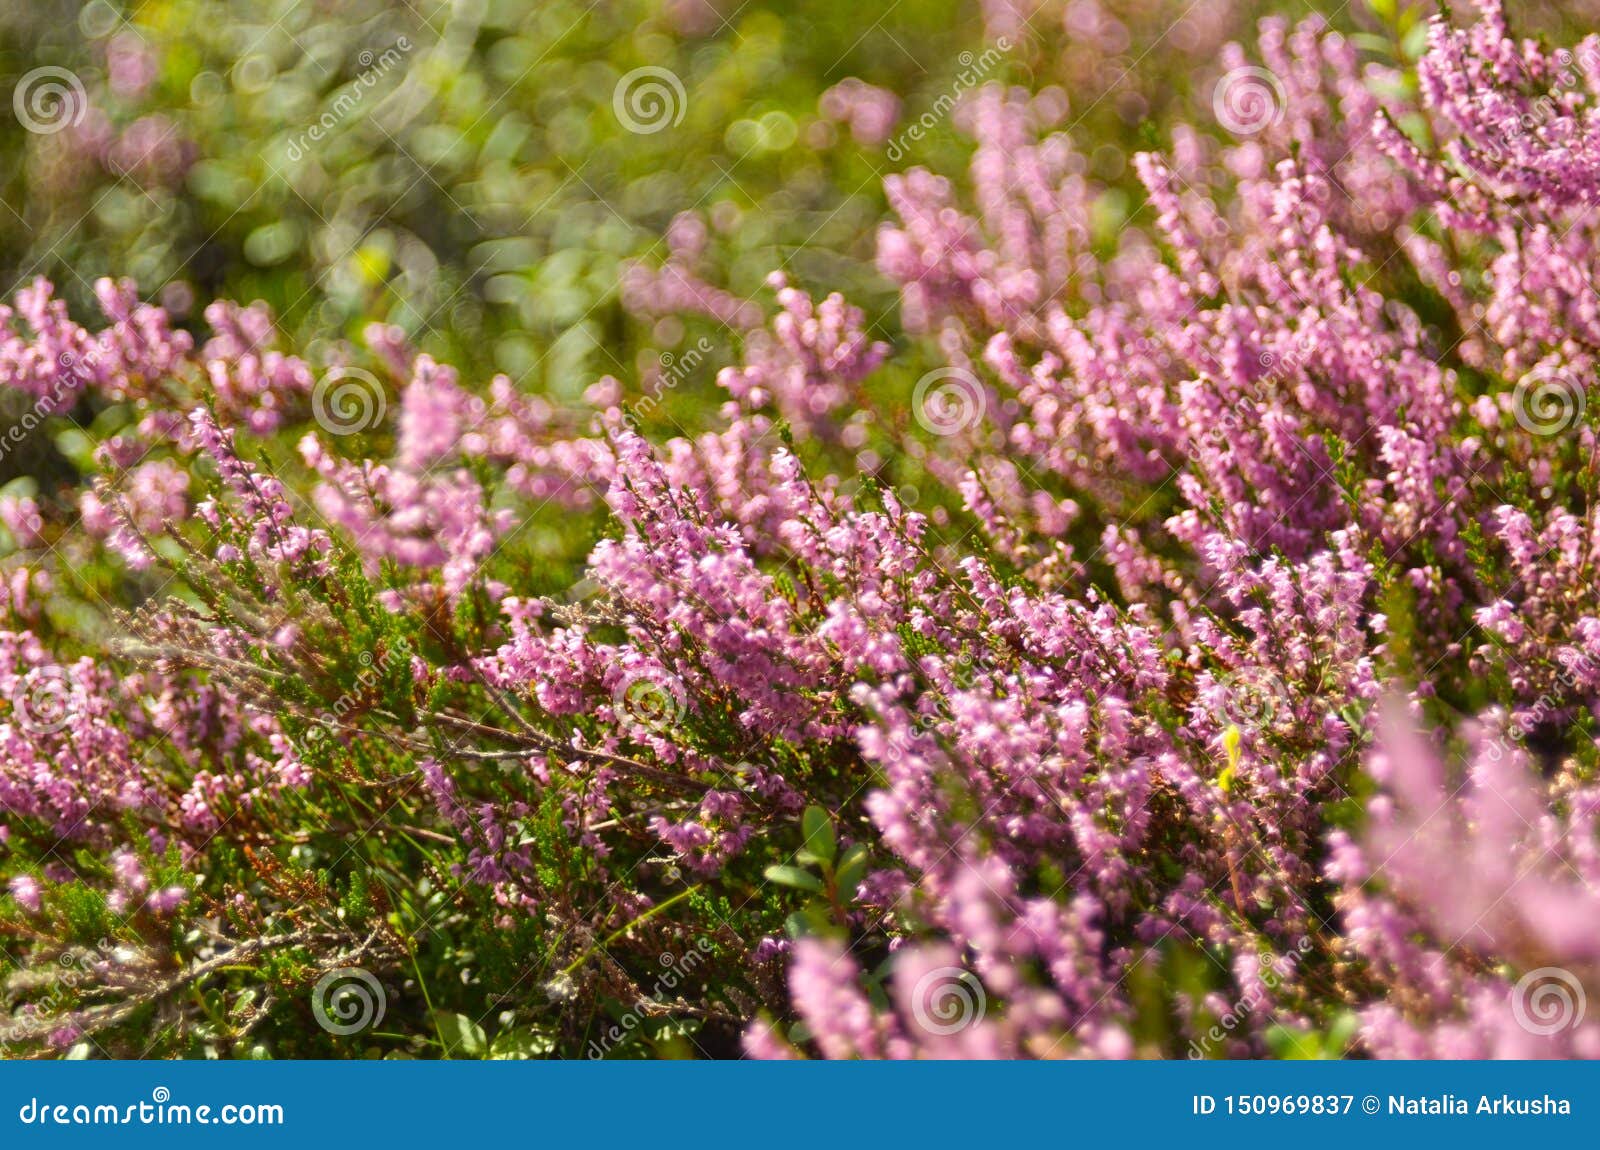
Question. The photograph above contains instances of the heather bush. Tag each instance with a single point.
(1169, 634)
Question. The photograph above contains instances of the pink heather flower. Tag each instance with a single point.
(811, 364)
(166, 901)
(22, 518)
(1449, 873)
(131, 65)
(678, 286)
(25, 889)
(869, 112)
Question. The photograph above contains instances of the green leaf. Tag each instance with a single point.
(1292, 1044)
(78, 448)
(852, 869)
(1341, 1033)
(1416, 42)
(463, 1038)
(818, 828)
(795, 877)
(520, 1045)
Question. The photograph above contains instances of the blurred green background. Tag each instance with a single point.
(460, 169)
(472, 182)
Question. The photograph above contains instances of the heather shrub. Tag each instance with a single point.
(1169, 635)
